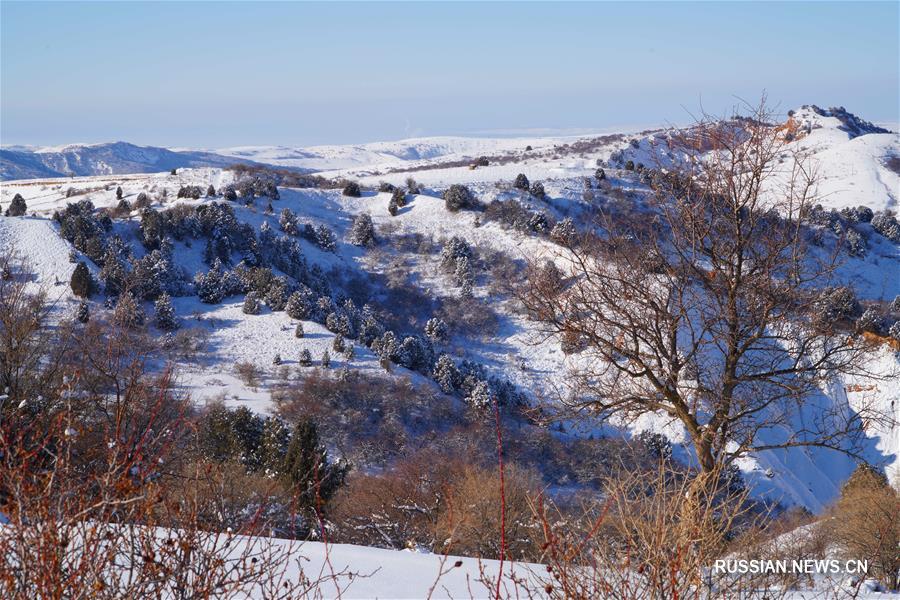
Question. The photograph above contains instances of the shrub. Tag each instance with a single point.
(629, 165)
(82, 313)
(326, 359)
(248, 372)
(537, 190)
(458, 197)
(836, 304)
(352, 190)
(436, 329)
(82, 283)
(871, 320)
(599, 175)
(298, 330)
(521, 182)
(119, 193)
(393, 208)
(210, 191)
(412, 186)
(17, 207)
(251, 303)
(885, 223)
(385, 187)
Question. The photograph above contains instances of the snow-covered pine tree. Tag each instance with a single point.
(305, 358)
(210, 191)
(537, 190)
(301, 304)
(165, 313)
(326, 359)
(436, 329)
(393, 209)
(362, 230)
(251, 303)
(480, 396)
(119, 193)
(446, 374)
(298, 331)
(287, 220)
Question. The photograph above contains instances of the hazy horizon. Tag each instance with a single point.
(213, 75)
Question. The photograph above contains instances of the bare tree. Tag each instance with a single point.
(703, 306)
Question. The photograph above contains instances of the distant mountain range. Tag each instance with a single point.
(112, 158)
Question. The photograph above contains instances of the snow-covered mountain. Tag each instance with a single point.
(113, 158)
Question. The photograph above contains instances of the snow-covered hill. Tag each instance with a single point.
(855, 165)
(101, 159)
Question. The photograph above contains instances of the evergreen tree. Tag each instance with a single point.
(210, 191)
(313, 479)
(352, 190)
(480, 396)
(251, 303)
(325, 238)
(209, 286)
(326, 359)
(446, 374)
(128, 312)
(82, 283)
(300, 304)
(436, 329)
(537, 190)
(599, 175)
(298, 331)
(458, 197)
(288, 222)
(17, 207)
(165, 313)
(393, 209)
(521, 182)
(399, 197)
(338, 344)
(305, 358)
(82, 313)
(119, 193)
(276, 360)
(349, 353)
(362, 230)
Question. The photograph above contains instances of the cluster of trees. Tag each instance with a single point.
(853, 226)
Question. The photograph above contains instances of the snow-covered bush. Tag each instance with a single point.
(190, 191)
(856, 243)
(521, 182)
(393, 209)
(17, 207)
(298, 331)
(210, 191)
(599, 175)
(362, 231)
(537, 190)
(325, 238)
(894, 331)
(385, 187)
(871, 320)
(82, 312)
(563, 232)
(305, 359)
(338, 344)
(251, 303)
(454, 249)
(352, 190)
(399, 197)
(885, 223)
(859, 214)
(458, 197)
(836, 304)
(480, 396)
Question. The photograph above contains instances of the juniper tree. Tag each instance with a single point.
(399, 197)
(17, 207)
(300, 304)
(251, 303)
(393, 209)
(288, 222)
(305, 358)
(128, 311)
(446, 374)
(349, 352)
(82, 283)
(599, 175)
(82, 312)
(412, 186)
(458, 197)
(352, 190)
(312, 478)
(436, 329)
(165, 313)
(298, 331)
(326, 359)
(537, 190)
(276, 360)
(119, 193)
(521, 182)
(480, 396)
(210, 191)
(338, 343)
(362, 230)
(325, 238)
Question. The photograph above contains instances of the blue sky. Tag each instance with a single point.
(218, 74)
